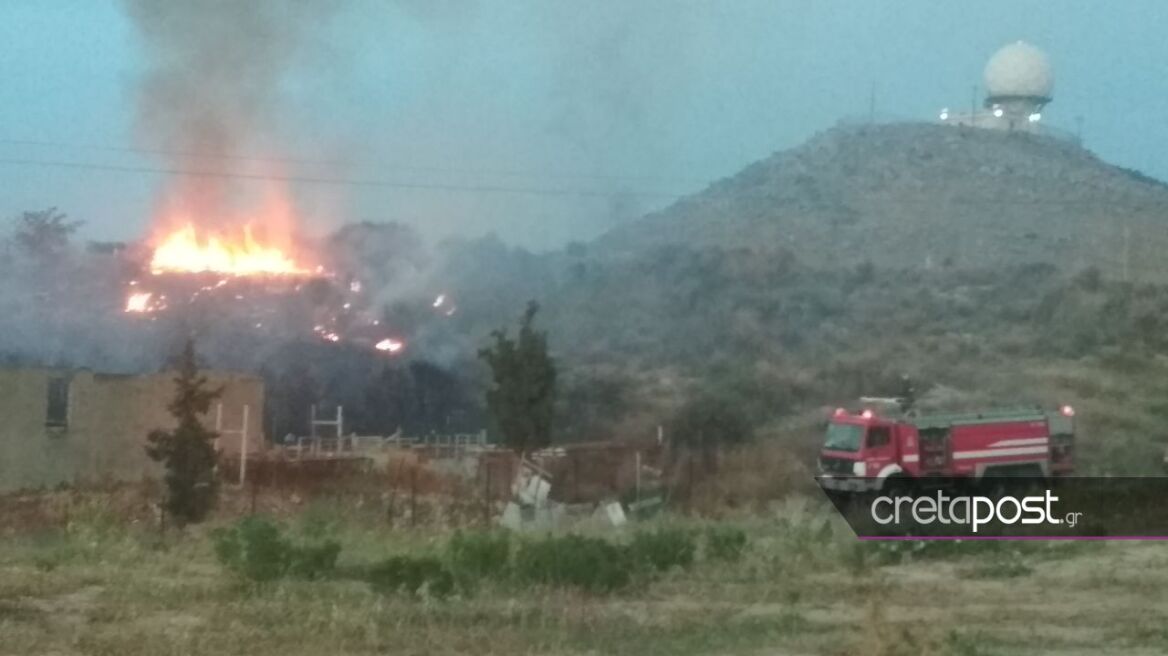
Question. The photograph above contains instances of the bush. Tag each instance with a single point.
(480, 555)
(664, 548)
(255, 549)
(592, 564)
(313, 561)
(725, 543)
(252, 548)
(415, 575)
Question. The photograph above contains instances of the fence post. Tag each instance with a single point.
(690, 486)
(255, 489)
(413, 496)
(243, 448)
(614, 485)
(575, 477)
(637, 464)
(394, 481)
(487, 496)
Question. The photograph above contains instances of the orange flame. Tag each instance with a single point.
(390, 345)
(184, 251)
(139, 302)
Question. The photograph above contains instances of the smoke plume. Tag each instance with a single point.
(213, 86)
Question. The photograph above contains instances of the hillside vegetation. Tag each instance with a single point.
(980, 264)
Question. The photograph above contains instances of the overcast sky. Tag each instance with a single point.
(551, 120)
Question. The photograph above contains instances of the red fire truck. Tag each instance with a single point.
(873, 450)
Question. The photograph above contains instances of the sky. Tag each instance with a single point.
(550, 120)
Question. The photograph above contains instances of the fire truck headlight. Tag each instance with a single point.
(860, 468)
(1067, 411)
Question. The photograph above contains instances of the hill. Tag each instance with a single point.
(987, 266)
(928, 196)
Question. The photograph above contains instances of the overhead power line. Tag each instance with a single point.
(352, 182)
(242, 157)
(1156, 209)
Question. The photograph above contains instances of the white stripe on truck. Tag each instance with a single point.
(1029, 441)
(999, 453)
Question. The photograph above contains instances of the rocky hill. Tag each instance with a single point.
(921, 195)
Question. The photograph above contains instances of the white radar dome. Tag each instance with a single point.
(1019, 70)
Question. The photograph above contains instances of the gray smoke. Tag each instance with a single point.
(213, 86)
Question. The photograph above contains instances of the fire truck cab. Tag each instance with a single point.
(868, 450)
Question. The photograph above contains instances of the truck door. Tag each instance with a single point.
(879, 449)
(935, 452)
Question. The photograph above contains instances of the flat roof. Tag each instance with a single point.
(987, 417)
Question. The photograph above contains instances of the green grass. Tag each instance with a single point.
(100, 587)
(1003, 569)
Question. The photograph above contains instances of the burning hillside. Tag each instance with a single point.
(203, 100)
(185, 250)
(228, 255)
(240, 234)
(226, 250)
(285, 302)
(372, 332)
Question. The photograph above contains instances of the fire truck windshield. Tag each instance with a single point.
(843, 437)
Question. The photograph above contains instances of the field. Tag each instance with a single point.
(104, 584)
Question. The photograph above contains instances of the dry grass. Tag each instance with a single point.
(100, 585)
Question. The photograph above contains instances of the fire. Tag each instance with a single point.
(186, 251)
(389, 345)
(139, 302)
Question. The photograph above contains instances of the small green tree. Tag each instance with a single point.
(522, 396)
(188, 452)
(44, 234)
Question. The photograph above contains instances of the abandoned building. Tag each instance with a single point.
(81, 427)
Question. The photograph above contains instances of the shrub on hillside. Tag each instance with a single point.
(252, 548)
(480, 554)
(663, 549)
(414, 575)
(592, 564)
(725, 543)
(255, 549)
(313, 561)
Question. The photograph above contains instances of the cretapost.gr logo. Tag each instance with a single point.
(973, 511)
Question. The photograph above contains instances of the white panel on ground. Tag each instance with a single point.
(615, 514)
(512, 517)
(535, 491)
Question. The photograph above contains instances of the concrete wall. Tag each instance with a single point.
(108, 419)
